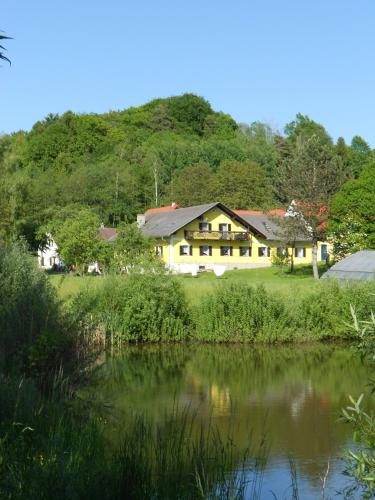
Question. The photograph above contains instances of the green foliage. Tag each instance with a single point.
(55, 445)
(352, 213)
(136, 308)
(241, 313)
(360, 155)
(31, 333)
(241, 185)
(198, 178)
(120, 163)
(325, 312)
(304, 128)
(361, 461)
(282, 259)
(134, 252)
(349, 236)
(77, 239)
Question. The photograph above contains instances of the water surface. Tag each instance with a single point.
(292, 395)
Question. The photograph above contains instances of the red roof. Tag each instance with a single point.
(166, 208)
(107, 233)
(274, 211)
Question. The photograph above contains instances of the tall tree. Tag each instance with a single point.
(360, 155)
(292, 227)
(242, 185)
(192, 185)
(311, 176)
(352, 220)
(77, 239)
(304, 128)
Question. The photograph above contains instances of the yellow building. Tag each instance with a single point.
(204, 236)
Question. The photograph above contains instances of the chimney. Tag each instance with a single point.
(141, 220)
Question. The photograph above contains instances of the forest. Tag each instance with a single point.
(178, 149)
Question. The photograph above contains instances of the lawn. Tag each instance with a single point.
(270, 277)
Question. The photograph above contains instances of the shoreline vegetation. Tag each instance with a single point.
(53, 444)
(155, 308)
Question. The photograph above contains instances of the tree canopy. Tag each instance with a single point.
(352, 214)
(120, 163)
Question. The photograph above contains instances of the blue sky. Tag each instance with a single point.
(257, 60)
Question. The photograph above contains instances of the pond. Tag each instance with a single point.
(290, 395)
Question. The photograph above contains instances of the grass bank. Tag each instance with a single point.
(153, 308)
(197, 288)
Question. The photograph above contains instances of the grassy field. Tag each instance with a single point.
(195, 288)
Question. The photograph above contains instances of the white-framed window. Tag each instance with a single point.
(205, 250)
(300, 252)
(245, 251)
(159, 250)
(204, 226)
(226, 251)
(263, 251)
(186, 250)
(281, 251)
(225, 228)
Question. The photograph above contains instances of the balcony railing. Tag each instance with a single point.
(218, 235)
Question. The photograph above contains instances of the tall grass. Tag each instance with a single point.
(31, 326)
(135, 308)
(242, 313)
(54, 447)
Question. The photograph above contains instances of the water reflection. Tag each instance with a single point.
(295, 393)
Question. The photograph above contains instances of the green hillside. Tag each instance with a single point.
(122, 162)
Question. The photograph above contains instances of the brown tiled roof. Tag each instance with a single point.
(156, 210)
(107, 233)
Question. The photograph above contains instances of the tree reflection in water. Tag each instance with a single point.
(295, 393)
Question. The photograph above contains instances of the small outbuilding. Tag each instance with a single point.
(358, 266)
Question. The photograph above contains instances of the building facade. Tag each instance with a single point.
(205, 236)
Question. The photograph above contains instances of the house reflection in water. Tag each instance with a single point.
(207, 398)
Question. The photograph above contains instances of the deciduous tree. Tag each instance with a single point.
(312, 175)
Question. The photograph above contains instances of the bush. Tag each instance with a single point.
(241, 313)
(325, 312)
(30, 324)
(135, 308)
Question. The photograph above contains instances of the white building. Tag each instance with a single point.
(48, 256)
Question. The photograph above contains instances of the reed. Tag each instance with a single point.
(58, 447)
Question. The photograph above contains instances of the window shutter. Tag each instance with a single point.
(191, 250)
(209, 226)
(229, 227)
(210, 249)
(231, 251)
(295, 252)
(304, 252)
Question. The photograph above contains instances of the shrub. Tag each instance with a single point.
(241, 313)
(29, 312)
(136, 308)
(325, 312)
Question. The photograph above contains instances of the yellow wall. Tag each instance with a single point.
(171, 246)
